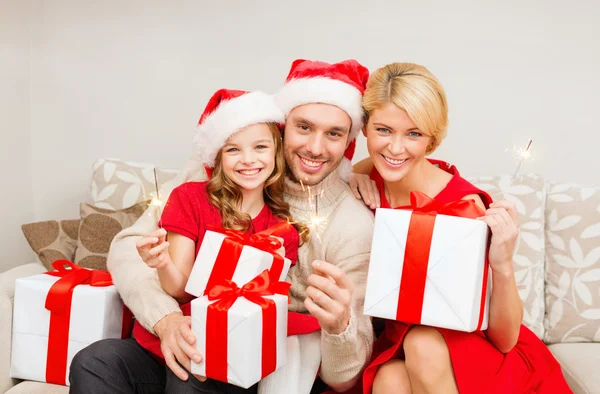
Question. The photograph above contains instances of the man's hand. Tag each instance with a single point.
(177, 343)
(329, 297)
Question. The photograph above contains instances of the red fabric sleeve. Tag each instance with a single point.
(180, 214)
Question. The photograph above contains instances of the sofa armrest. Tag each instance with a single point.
(7, 293)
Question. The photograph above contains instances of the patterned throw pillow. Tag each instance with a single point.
(528, 193)
(572, 264)
(52, 240)
(118, 184)
(97, 229)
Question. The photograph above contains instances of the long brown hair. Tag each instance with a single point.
(227, 197)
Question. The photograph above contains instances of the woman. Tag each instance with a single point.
(407, 117)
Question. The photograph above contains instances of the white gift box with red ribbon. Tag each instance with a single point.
(230, 254)
(241, 333)
(51, 323)
(429, 269)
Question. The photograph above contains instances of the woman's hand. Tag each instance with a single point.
(154, 249)
(502, 219)
(366, 189)
(506, 307)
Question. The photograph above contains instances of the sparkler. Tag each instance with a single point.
(521, 154)
(316, 224)
(156, 201)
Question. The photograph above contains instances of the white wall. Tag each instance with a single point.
(129, 78)
(16, 197)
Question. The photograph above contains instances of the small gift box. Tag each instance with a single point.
(241, 332)
(59, 313)
(429, 265)
(233, 255)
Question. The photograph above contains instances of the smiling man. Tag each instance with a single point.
(322, 103)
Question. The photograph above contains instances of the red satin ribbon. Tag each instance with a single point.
(58, 302)
(227, 292)
(231, 249)
(416, 255)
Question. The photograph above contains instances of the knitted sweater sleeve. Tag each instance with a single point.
(138, 284)
(346, 354)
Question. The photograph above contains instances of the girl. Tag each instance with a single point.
(240, 143)
(407, 118)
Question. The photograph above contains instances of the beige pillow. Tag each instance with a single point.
(572, 264)
(97, 229)
(52, 240)
(528, 193)
(118, 184)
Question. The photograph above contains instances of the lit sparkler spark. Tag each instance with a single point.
(521, 154)
(156, 201)
(316, 224)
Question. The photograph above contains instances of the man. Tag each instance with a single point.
(322, 103)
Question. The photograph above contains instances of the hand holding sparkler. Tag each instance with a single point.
(329, 296)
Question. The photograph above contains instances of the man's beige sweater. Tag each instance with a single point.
(344, 240)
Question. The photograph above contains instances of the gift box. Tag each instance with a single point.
(233, 255)
(429, 265)
(59, 313)
(241, 332)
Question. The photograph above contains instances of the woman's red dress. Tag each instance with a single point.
(478, 366)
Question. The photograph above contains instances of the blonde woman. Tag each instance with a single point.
(407, 118)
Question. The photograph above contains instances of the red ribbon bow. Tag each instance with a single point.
(231, 249)
(58, 302)
(227, 292)
(422, 203)
(416, 254)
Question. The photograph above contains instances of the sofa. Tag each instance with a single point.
(557, 261)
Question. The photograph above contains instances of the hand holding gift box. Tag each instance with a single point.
(227, 254)
(57, 314)
(241, 332)
(429, 266)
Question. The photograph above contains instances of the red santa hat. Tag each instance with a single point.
(227, 112)
(340, 84)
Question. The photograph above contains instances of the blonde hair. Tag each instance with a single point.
(227, 196)
(415, 90)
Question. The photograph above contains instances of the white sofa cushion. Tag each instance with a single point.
(579, 363)
(29, 387)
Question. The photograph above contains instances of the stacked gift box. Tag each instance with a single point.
(240, 315)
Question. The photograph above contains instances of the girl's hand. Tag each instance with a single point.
(502, 219)
(366, 189)
(154, 249)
